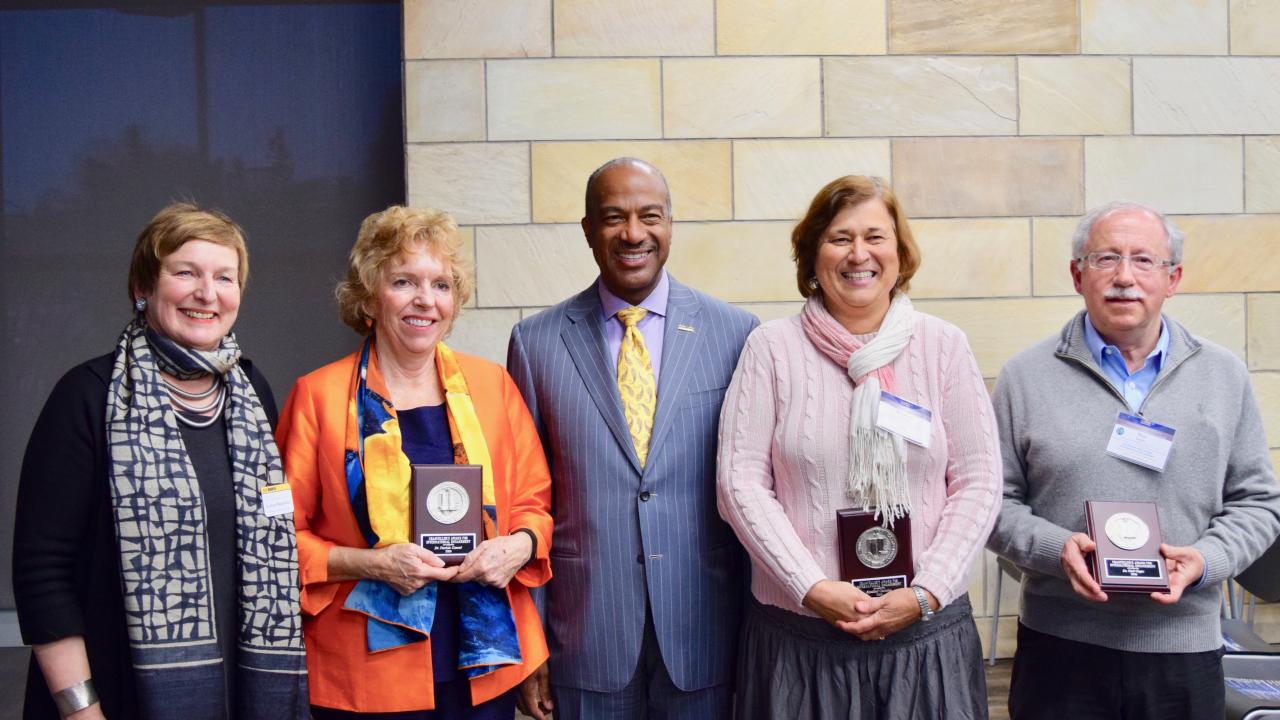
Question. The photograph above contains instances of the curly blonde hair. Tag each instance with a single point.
(386, 235)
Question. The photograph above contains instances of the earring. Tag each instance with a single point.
(140, 304)
(813, 283)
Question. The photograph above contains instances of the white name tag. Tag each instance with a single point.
(907, 420)
(1141, 442)
(277, 500)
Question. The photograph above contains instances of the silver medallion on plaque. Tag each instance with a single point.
(1127, 531)
(448, 502)
(876, 547)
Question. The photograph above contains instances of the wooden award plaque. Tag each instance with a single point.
(876, 559)
(1128, 557)
(447, 509)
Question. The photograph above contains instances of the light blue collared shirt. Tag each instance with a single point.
(651, 326)
(1133, 386)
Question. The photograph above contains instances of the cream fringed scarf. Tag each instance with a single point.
(877, 459)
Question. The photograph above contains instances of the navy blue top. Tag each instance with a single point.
(425, 440)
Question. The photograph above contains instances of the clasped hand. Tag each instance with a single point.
(407, 567)
(860, 615)
(1184, 565)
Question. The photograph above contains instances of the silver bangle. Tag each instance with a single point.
(75, 698)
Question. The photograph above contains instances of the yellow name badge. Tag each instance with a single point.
(277, 500)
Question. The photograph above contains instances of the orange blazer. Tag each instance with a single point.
(311, 435)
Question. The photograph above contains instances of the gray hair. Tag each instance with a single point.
(1085, 228)
(635, 162)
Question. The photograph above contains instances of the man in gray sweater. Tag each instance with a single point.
(1083, 653)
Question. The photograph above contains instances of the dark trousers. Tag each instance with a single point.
(650, 695)
(1056, 678)
(453, 702)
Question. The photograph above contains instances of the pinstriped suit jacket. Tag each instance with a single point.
(623, 535)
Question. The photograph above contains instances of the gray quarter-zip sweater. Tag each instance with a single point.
(1218, 493)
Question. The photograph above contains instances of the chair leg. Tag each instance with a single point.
(995, 618)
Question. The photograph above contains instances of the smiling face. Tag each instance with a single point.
(413, 305)
(197, 294)
(857, 265)
(1124, 305)
(628, 226)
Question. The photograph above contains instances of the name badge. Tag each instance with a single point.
(277, 500)
(1140, 442)
(907, 420)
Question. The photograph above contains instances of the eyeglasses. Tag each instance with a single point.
(1111, 261)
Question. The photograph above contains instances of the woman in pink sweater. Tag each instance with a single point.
(800, 439)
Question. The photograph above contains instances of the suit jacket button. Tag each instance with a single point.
(644, 496)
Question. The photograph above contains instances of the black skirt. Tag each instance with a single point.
(793, 666)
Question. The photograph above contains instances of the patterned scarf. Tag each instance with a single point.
(379, 488)
(877, 459)
(164, 547)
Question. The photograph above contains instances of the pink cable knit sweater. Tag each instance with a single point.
(783, 457)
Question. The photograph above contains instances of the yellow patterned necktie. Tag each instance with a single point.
(636, 385)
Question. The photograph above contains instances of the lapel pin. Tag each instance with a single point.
(685, 328)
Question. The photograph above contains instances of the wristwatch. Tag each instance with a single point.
(926, 612)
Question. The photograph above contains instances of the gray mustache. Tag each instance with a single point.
(1122, 293)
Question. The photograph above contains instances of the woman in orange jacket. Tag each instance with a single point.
(389, 626)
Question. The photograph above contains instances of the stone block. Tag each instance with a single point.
(741, 97)
(532, 265)
(697, 170)
(1264, 332)
(773, 310)
(1262, 174)
(479, 183)
(1267, 387)
(736, 262)
(634, 27)
(1231, 253)
(1073, 96)
(777, 179)
(1155, 27)
(1000, 328)
(574, 99)
(980, 177)
(1218, 318)
(1206, 96)
(800, 27)
(983, 26)
(457, 29)
(1255, 27)
(1051, 255)
(972, 258)
(920, 96)
(444, 100)
(1174, 174)
(484, 333)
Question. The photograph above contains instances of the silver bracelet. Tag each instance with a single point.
(75, 698)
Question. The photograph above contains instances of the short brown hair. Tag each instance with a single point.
(839, 194)
(175, 226)
(384, 236)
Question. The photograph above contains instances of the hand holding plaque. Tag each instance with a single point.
(1127, 557)
(447, 510)
(874, 558)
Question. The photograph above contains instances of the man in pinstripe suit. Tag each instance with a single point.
(642, 614)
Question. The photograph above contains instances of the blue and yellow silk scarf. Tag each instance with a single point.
(379, 489)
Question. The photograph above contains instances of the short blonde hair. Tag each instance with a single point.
(386, 235)
(175, 226)
(839, 194)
